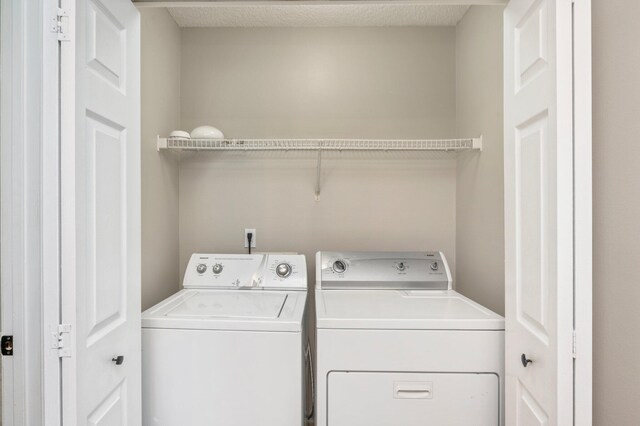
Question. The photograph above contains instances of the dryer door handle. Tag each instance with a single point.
(413, 390)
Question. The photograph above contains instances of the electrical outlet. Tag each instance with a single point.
(253, 239)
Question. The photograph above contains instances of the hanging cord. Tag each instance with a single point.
(309, 358)
(249, 238)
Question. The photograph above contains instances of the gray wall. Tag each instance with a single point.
(160, 64)
(616, 210)
(479, 182)
(318, 82)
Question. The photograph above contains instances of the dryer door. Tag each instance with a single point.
(412, 399)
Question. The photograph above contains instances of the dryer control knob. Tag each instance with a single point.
(434, 266)
(401, 266)
(201, 268)
(283, 270)
(339, 266)
(217, 268)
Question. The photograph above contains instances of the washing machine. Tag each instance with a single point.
(396, 345)
(228, 349)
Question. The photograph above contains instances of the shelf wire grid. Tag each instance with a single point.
(318, 144)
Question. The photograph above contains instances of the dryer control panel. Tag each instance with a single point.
(246, 271)
(383, 270)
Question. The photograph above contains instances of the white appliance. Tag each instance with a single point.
(228, 349)
(397, 346)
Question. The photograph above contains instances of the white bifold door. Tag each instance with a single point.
(100, 213)
(538, 178)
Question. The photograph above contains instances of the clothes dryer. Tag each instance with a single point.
(396, 345)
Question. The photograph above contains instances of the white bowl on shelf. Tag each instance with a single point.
(206, 132)
(179, 134)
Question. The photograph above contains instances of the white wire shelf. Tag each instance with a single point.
(320, 145)
(446, 145)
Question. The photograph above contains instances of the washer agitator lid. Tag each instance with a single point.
(259, 292)
(229, 310)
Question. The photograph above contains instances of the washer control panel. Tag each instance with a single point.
(383, 270)
(283, 270)
(250, 271)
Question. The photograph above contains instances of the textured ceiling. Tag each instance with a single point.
(309, 15)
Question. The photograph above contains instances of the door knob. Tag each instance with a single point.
(525, 360)
(118, 359)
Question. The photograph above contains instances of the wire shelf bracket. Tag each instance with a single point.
(319, 145)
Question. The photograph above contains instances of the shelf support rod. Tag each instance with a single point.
(318, 171)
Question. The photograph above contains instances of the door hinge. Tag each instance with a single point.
(60, 24)
(62, 340)
(6, 345)
(573, 343)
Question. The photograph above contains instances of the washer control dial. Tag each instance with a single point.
(201, 268)
(401, 266)
(283, 270)
(434, 266)
(217, 268)
(339, 266)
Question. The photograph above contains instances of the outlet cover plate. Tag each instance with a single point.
(253, 239)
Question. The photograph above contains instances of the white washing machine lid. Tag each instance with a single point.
(402, 310)
(243, 310)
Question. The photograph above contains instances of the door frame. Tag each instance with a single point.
(29, 255)
(31, 208)
(583, 208)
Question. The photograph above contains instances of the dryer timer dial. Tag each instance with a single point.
(339, 266)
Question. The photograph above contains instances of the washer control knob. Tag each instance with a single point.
(283, 270)
(401, 266)
(217, 268)
(434, 266)
(339, 266)
(201, 268)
